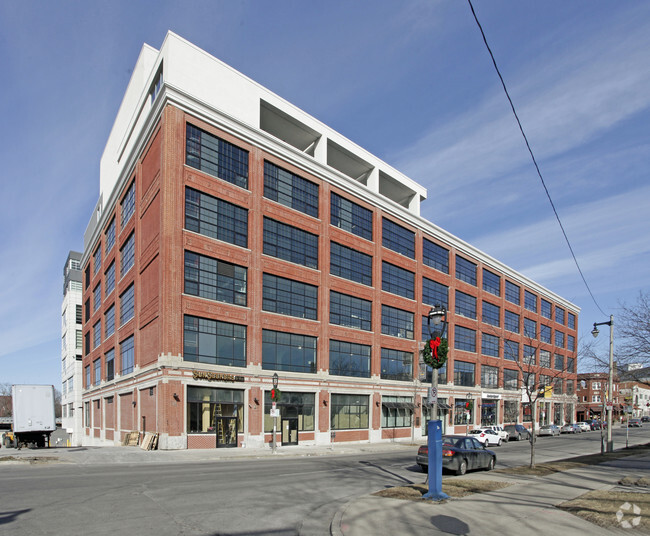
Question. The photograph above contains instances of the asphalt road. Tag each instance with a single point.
(268, 496)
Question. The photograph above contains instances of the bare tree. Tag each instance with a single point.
(5, 400)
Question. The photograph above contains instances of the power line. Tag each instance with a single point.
(539, 173)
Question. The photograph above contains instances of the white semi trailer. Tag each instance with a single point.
(33, 415)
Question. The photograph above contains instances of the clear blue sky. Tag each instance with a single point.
(410, 81)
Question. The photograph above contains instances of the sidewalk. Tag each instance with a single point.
(527, 506)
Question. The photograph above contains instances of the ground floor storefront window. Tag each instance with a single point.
(557, 414)
(511, 411)
(463, 411)
(568, 413)
(528, 414)
(298, 406)
(443, 415)
(396, 411)
(489, 412)
(349, 412)
(215, 411)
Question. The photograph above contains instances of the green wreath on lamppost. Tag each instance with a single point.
(435, 352)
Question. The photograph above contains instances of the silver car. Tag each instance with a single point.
(549, 430)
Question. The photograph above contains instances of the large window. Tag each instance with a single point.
(545, 359)
(127, 255)
(530, 328)
(396, 365)
(464, 339)
(435, 256)
(510, 379)
(97, 296)
(213, 279)
(571, 321)
(530, 301)
(350, 264)
(511, 321)
(349, 359)
(571, 343)
(530, 355)
(511, 350)
(127, 355)
(109, 241)
(350, 311)
(110, 364)
(489, 377)
(290, 190)
(396, 322)
(205, 405)
(513, 293)
(398, 238)
(216, 157)
(559, 362)
(127, 305)
(396, 411)
(491, 314)
(97, 334)
(510, 411)
(216, 218)
(434, 293)
(465, 270)
(545, 309)
(288, 351)
(288, 297)
(545, 333)
(464, 373)
(559, 339)
(214, 342)
(489, 345)
(350, 217)
(298, 406)
(398, 281)
(127, 205)
(559, 315)
(465, 305)
(290, 243)
(97, 371)
(97, 259)
(349, 412)
(110, 278)
(491, 282)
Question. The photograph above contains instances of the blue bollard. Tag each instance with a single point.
(434, 441)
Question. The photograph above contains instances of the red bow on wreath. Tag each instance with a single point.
(434, 343)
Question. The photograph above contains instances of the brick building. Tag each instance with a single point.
(592, 396)
(236, 237)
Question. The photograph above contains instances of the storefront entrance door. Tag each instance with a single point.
(290, 431)
(226, 428)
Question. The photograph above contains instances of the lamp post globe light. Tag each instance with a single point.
(610, 382)
(438, 317)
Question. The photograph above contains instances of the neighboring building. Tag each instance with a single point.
(71, 349)
(636, 398)
(592, 396)
(237, 237)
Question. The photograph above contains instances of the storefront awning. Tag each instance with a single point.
(399, 405)
(443, 405)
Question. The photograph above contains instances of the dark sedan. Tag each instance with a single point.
(459, 454)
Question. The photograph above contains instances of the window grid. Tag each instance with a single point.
(213, 279)
(398, 238)
(97, 334)
(489, 345)
(434, 293)
(288, 351)
(97, 259)
(214, 342)
(397, 280)
(290, 190)
(530, 355)
(127, 305)
(127, 255)
(435, 256)
(216, 157)
(349, 359)
(511, 350)
(511, 321)
(97, 371)
(464, 339)
(464, 373)
(465, 270)
(110, 364)
(545, 333)
(559, 339)
(559, 315)
(109, 241)
(491, 282)
(489, 377)
(350, 264)
(290, 243)
(350, 311)
(545, 359)
(396, 322)
(530, 301)
(350, 217)
(465, 305)
(396, 365)
(571, 343)
(350, 412)
(491, 314)
(97, 296)
(216, 218)
(571, 321)
(110, 278)
(127, 205)
(546, 309)
(559, 362)
(510, 379)
(127, 355)
(530, 328)
(513, 293)
(109, 321)
(288, 297)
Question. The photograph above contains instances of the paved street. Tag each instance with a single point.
(213, 492)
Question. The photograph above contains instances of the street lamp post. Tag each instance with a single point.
(275, 419)
(467, 415)
(610, 383)
(438, 317)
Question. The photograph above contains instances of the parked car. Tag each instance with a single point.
(571, 429)
(645, 418)
(595, 424)
(584, 426)
(517, 431)
(459, 454)
(487, 436)
(505, 436)
(634, 422)
(549, 430)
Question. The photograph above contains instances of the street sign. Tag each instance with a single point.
(275, 412)
(433, 395)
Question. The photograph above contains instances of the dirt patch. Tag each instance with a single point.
(453, 488)
(32, 460)
(612, 509)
